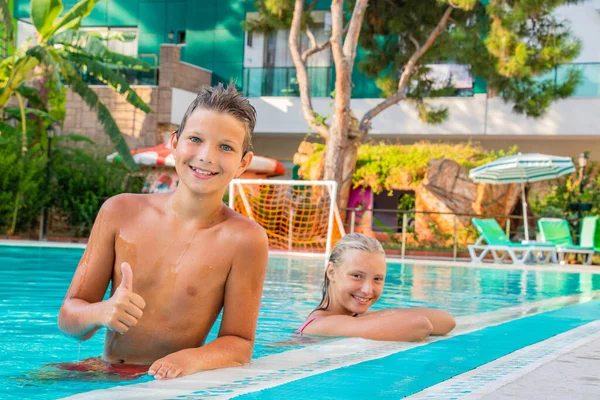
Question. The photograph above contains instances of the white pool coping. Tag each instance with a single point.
(42, 243)
(277, 369)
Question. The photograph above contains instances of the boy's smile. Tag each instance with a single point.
(202, 173)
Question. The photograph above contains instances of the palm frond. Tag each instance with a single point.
(15, 112)
(75, 138)
(114, 35)
(44, 13)
(93, 47)
(6, 21)
(31, 94)
(112, 78)
(128, 62)
(105, 118)
(6, 129)
(19, 73)
(72, 17)
(48, 57)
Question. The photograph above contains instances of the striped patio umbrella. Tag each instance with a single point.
(522, 168)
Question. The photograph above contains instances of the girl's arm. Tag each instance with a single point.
(388, 326)
(405, 325)
(441, 321)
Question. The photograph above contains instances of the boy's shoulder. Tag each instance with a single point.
(130, 203)
(245, 229)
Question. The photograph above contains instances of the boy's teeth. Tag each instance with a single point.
(202, 172)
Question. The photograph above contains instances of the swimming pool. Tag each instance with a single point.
(33, 281)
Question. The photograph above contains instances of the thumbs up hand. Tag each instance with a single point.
(124, 308)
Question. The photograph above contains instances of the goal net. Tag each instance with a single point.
(298, 216)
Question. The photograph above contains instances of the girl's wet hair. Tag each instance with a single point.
(352, 241)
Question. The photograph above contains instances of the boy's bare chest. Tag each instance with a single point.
(196, 264)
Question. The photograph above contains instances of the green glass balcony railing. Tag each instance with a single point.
(589, 84)
(283, 82)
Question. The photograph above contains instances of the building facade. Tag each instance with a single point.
(213, 47)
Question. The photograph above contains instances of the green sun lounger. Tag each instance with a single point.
(500, 246)
(590, 233)
(556, 231)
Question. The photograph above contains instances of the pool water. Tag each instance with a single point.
(34, 280)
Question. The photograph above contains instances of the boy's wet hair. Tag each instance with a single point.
(225, 100)
(352, 241)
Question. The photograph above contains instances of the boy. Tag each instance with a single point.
(176, 259)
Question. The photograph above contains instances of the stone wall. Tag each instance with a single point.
(138, 127)
(448, 189)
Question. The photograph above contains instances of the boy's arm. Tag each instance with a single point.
(243, 291)
(83, 312)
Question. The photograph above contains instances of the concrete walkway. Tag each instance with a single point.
(564, 366)
(573, 376)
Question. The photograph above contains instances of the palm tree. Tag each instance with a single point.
(61, 56)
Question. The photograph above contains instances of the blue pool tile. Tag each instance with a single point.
(411, 371)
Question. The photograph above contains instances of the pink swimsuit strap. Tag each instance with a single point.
(305, 324)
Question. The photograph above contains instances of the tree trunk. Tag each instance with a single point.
(338, 132)
(334, 155)
(344, 54)
(349, 163)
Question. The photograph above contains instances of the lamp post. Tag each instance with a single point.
(44, 220)
(582, 160)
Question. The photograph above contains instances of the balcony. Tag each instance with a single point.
(589, 85)
(260, 82)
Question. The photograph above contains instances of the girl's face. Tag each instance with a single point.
(357, 283)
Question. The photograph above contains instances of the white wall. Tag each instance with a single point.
(467, 116)
(585, 23)
(254, 55)
(25, 31)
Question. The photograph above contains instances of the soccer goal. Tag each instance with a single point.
(300, 217)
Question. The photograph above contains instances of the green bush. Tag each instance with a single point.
(21, 183)
(383, 166)
(82, 181)
(566, 191)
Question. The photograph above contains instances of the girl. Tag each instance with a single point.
(354, 281)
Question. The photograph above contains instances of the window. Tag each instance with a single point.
(129, 48)
(180, 37)
(277, 53)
